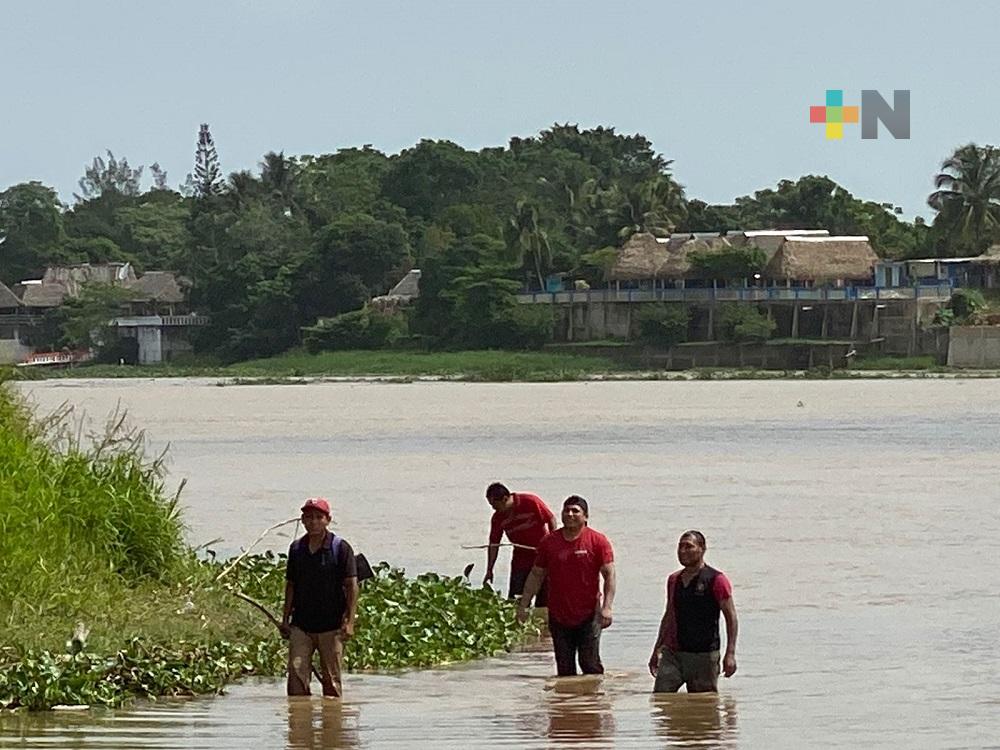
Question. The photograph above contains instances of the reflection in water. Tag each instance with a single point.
(315, 723)
(579, 711)
(764, 474)
(695, 719)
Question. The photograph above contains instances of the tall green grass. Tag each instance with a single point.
(101, 602)
(78, 513)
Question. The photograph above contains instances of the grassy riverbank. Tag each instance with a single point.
(477, 366)
(553, 365)
(102, 602)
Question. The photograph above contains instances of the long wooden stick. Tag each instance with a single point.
(254, 543)
(267, 613)
(502, 544)
(274, 620)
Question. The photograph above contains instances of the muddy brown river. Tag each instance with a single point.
(858, 521)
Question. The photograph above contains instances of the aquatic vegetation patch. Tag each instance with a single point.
(406, 622)
(108, 605)
(430, 620)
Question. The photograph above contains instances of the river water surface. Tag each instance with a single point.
(858, 521)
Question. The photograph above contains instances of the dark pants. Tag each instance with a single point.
(583, 640)
(517, 580)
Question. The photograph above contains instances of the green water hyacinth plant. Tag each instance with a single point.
(405, 622)
(108, 605)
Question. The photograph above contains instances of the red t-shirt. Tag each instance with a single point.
(525, 524)
(574, 572)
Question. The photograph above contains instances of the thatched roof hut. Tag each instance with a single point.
(73, 277)
(7, 298)
(639, 259)
(407, 290)
(822, 259)
(159, 286)
(644, 257)
(42, 295)
(408, 287)
(769, 240)
(797, 254)
(680, 265)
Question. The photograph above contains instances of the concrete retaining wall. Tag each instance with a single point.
(895, 324)
(974, 346)
(12, 351)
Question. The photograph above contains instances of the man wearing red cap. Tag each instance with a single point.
(321, 597)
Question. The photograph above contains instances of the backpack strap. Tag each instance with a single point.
(299, 543)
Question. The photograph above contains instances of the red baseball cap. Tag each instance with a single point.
(317, 503)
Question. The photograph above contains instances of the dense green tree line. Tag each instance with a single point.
(310, 237)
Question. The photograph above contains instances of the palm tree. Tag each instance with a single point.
(578, 203)
(242, 188)
(653, 206)
(526, 239)
(278, 176)
(967, 198)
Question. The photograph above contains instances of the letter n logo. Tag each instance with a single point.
(875, 109)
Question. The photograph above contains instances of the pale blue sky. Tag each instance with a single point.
(722, 88)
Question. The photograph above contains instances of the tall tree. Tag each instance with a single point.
(967, 198)
(526, 240)
(431, 176)
(278, 177)
(31, 230)
(159, 176)
(111, 176)
(207, 179)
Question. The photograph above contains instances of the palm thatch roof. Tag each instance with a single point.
(679, 265)
(72, 277)
(639, 259)
(7, 297)
(159, 286)
(408, 287)
(42, 294)
(644, 257)
(990, 257)
(822, 259)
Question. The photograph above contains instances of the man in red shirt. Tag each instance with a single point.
(573, 560)
(526, 520)
(687, 645)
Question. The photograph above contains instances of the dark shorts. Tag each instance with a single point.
(517, 581)
(699, 671)
(583, 641)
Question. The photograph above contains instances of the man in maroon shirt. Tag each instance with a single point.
(687, 645)
(526, 520)
(573, 560)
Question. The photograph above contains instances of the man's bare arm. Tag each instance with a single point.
(492, 552)
(661, 635)
(286, 608)
(728, 608)
(610, 584)
(531, 586)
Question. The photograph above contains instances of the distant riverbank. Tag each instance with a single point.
(299, 367)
